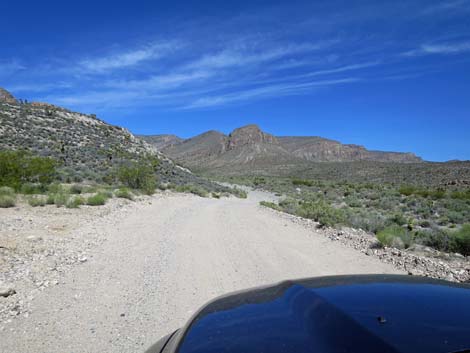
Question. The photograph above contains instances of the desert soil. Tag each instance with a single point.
(159, 261)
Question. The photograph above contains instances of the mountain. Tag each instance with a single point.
(86, 147)
(318, 149)
(249, 148)
(6, 97)
(161, 141)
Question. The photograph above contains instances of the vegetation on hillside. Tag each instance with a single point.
(18, 168)
(398, 215)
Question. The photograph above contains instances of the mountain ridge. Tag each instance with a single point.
(249, 145)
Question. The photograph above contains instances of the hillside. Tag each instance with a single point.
(86, 147)
(161, 141)
(248, 149)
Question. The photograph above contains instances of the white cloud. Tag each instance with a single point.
(161, 82)
(264, 92)
(242, 56)
(129, 58)
(446, 48)
(8, 68)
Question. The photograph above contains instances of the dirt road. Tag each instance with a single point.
(164, 260)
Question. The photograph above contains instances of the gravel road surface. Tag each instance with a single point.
(165, 259)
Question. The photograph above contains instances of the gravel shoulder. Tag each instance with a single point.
(139, 270)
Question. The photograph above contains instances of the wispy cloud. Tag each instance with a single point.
(128, 58)
(445, 48)
(188, 71)
(8, 68)
(264, 92)
(243, 56)
(161, 82)
(446, 6)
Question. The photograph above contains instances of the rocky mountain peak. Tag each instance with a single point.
(249, 135)
(6, 97)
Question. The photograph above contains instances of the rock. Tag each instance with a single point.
(83, 259)
(6, 291)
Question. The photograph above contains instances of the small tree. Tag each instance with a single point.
(140, 174)
(19, 167)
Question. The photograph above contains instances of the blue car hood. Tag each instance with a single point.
(335, 314)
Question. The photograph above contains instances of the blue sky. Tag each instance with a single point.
(391, 75)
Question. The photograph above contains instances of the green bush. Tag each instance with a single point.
(304, 182)
(322, 213)
(55, 188)
(398, 218)
(407, 190)
(106, 193)
(289, 205)
(140, 175)
(365, 220)
(271, 205)
(435, 238)
(7, 191)
(199, 191)
(31, 189)
(50, 199)
(75, 202)
(124, 193)
(460, 240)
(60, 199)
(76, 189)
(241, 194)
(19, 167)
(395, 236)
(37, 201)
(96, 200)
(7, 201)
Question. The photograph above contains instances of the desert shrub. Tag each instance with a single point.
(76, 189)
(259, 181)
(368, 221)
(289, 205)
(398, 218)
(272, 205)
(395, 236)
(435, 238)
(199, 191)
(106, 193)
(407, 190)
(139, 175)
(304, 182)
(55, 188)
(7, 191)
(425, 223)
(37, 200)
(353, 201)
(7, 201)
(460, 240)
(96, 200)
(88, 189)
(461, 195)
(60, 199)
(241, 194)
(32, 188)
(19, 167)
(455, 217)
(216, 195)
(322, 213)
(124, 193)
(437, 194)
(50, 199)
(75, 202)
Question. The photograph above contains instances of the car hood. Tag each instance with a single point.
(335, 314)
